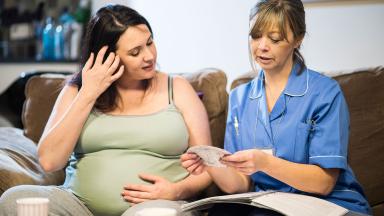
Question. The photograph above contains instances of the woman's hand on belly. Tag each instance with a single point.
(160, 188)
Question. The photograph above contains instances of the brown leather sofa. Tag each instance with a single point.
(363, 89)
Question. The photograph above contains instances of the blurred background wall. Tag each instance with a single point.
(195, 34)
(190, 35)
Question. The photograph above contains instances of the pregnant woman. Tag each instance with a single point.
(121, 124)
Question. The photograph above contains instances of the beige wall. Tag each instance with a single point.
(342, 35)
(194, 34)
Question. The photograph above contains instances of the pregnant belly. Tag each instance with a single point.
(98, 178)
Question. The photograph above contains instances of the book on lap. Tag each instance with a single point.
(289, 204)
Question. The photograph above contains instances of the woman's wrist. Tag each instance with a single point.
(179, 193)
(267, 158)
(86, 97)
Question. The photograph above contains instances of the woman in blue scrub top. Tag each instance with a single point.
(288, 128)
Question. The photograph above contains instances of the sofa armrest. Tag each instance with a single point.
(19, 164)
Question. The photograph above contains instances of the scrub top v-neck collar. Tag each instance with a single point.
(297, 86)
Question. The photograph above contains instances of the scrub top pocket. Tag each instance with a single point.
(300, 153)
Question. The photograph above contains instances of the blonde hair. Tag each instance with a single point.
(283, 14)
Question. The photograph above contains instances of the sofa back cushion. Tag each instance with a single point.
(212, 84)
(40, 96)
(42, 91)
(364, 92)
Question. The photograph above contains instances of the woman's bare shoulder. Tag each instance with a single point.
(181, 82)
(181, 86)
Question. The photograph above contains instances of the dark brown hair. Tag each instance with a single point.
(105, 28)
(280, 13)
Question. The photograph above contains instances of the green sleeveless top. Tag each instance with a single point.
(113, 149)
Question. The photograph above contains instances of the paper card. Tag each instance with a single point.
(209, 154)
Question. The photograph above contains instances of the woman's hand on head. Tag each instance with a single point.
(246, 161)
(160, 188)
(97, 75)
(193, 163)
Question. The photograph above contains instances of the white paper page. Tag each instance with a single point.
(300, 205)
(242, 198)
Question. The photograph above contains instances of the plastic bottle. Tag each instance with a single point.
(81, 16)
(39, 36)
(48, 40)
(67, 32)
(66, 19)
(59, 42)
(77, 31)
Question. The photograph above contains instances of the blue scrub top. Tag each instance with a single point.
(309, 124)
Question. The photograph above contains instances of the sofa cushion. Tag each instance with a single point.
(212, 83)
(18, 163)
(41, 93)
(243, 78)
(364, 92)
